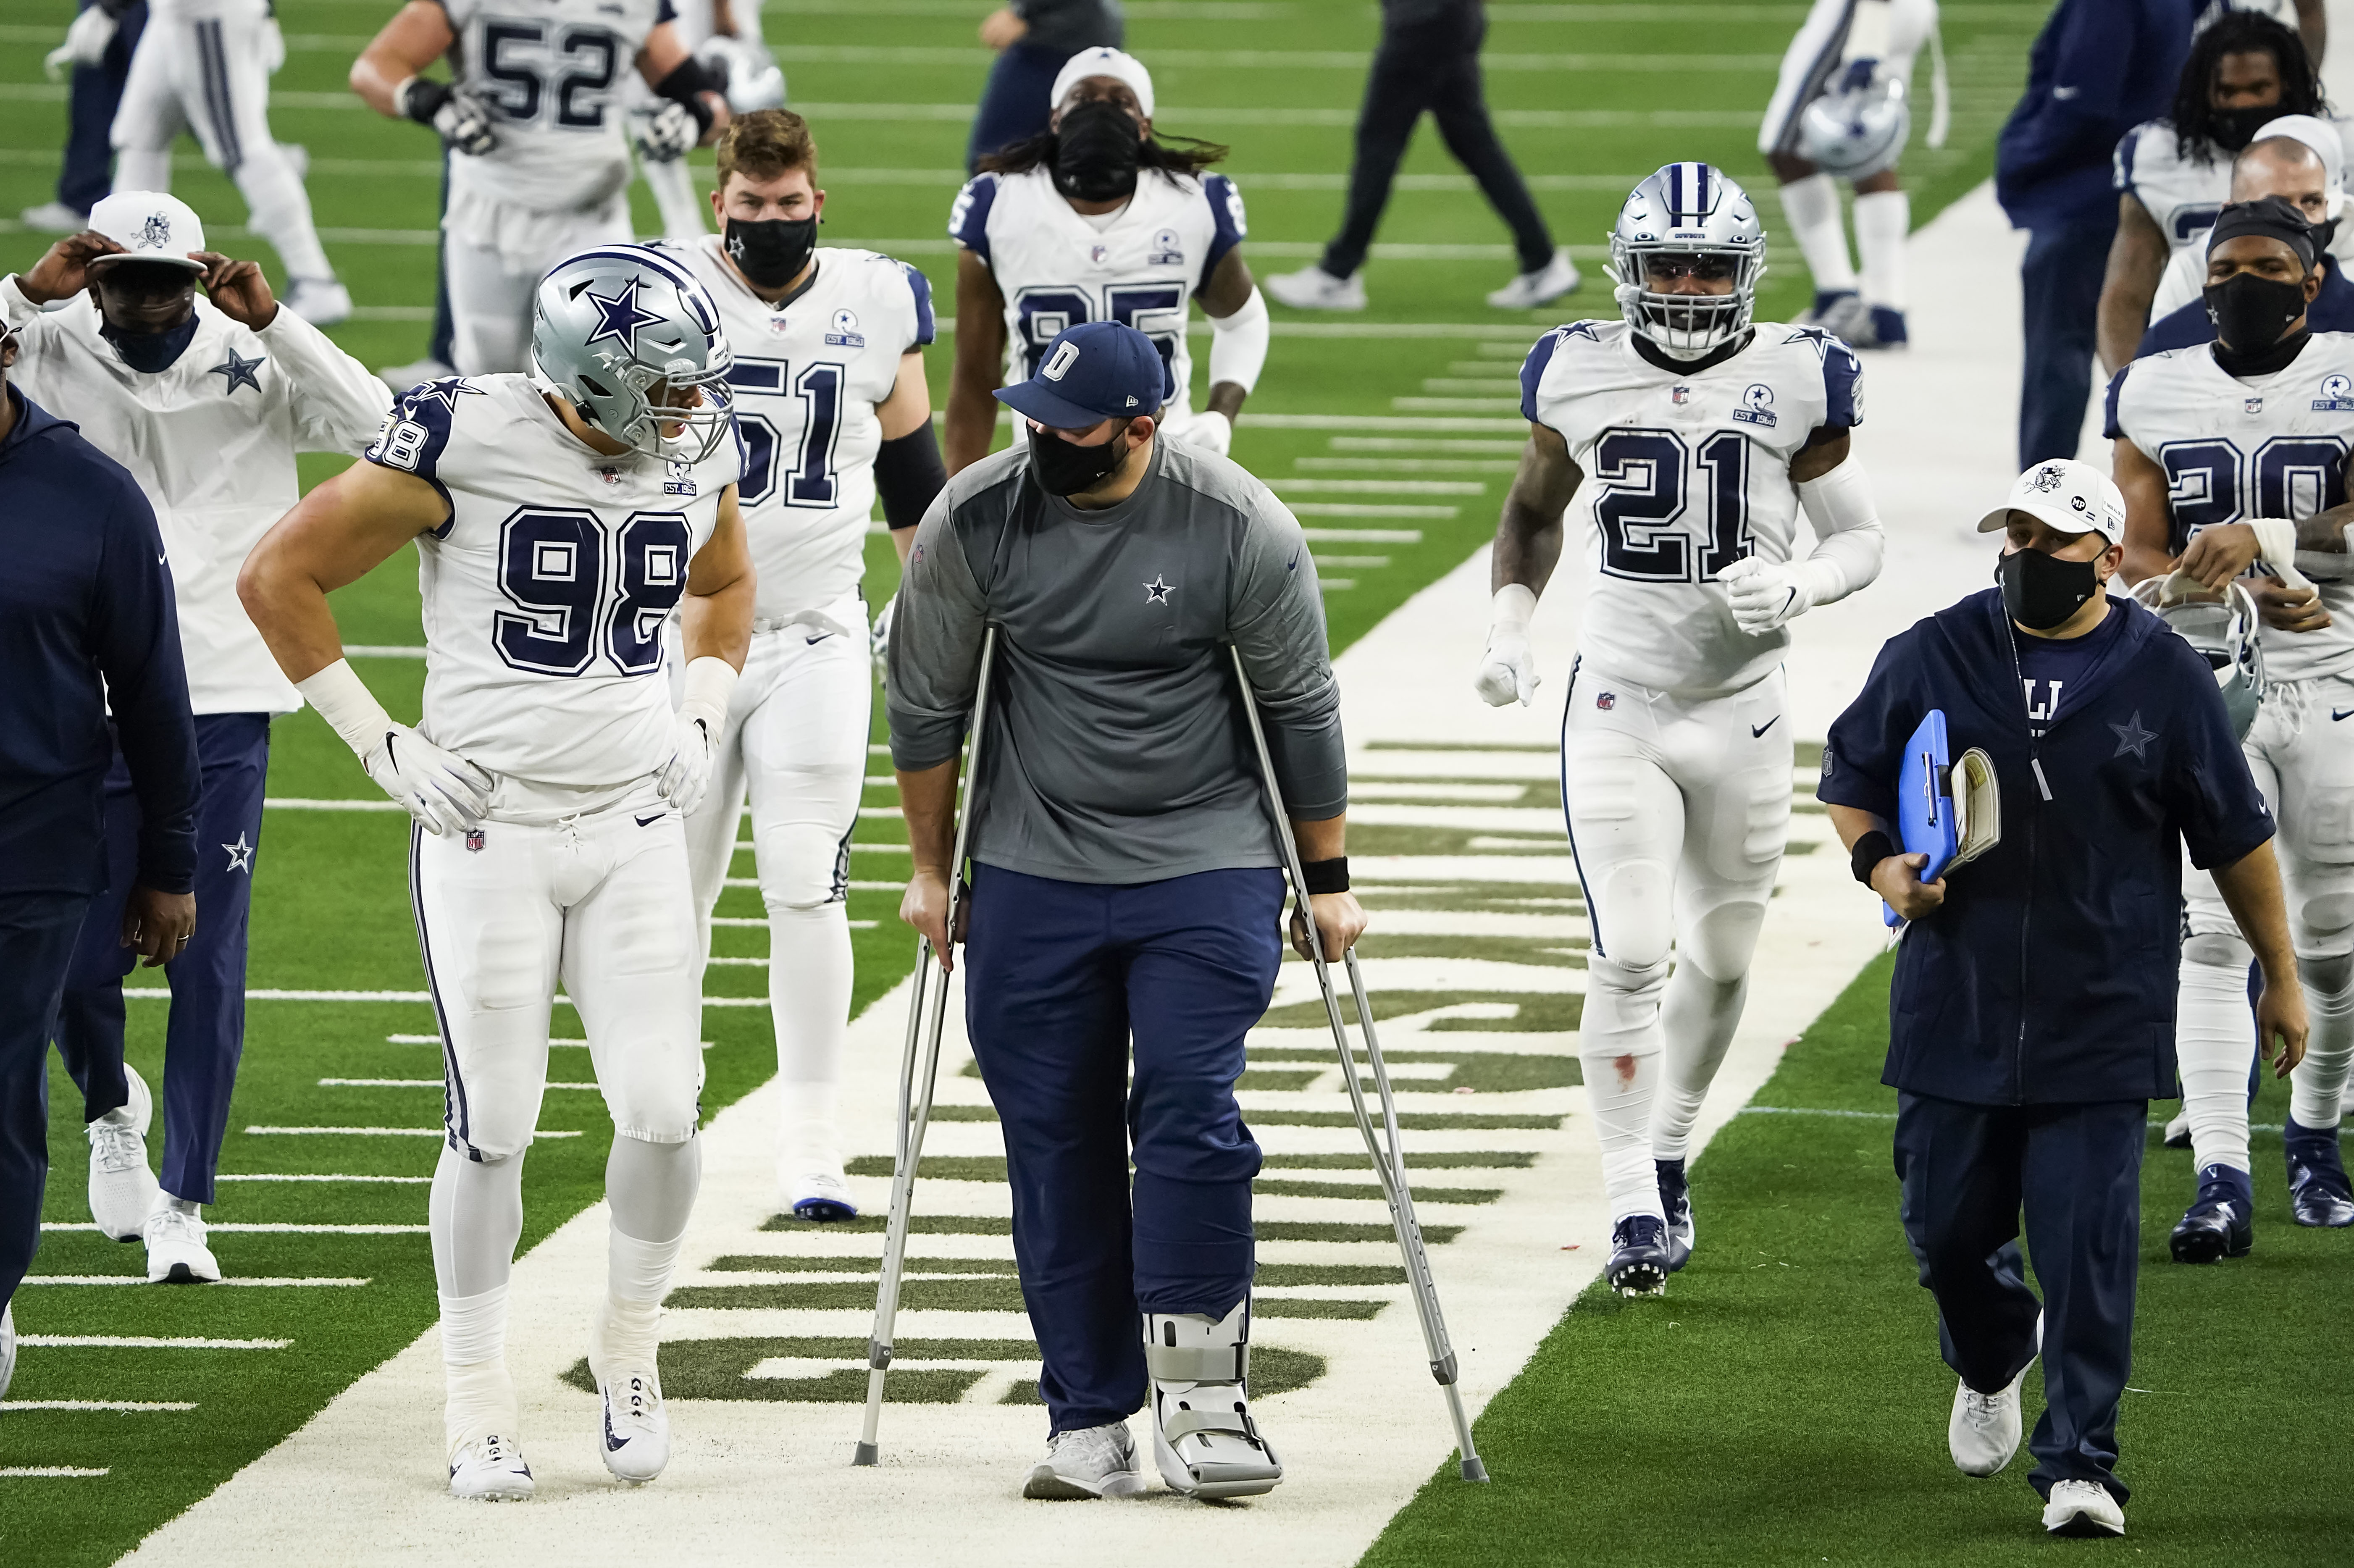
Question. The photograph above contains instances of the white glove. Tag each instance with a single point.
(273, 45)
(879, 640)
(86, 39)
(664, 134)
(702, 716)
(1508, 670)
(1211, 431)
(1765, 595)
(445, 793)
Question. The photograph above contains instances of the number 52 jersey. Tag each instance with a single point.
(547, 588)
(1687, 470)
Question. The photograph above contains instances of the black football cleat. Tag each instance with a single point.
(2319, 1192)
(1638, 1256)
(2222, 1223)
(1675, 1197)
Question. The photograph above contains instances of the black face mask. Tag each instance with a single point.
(2042, 591)
(152, 352)
(2233, 129)
(1096, 152)
(771, 251)
(2251, 313)
(1063, 469)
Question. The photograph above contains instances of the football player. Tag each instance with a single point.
(1699, 438)
(1098, 220)
(1848, 47)
(2232, 457)
(539, 162)
(203, 66)
(2172, 175)
(828, 377)
(559, 518)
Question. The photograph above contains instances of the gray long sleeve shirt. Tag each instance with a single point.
(1117, 749)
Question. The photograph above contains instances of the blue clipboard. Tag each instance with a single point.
(1926, 823)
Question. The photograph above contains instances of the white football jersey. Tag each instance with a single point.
(552, 75)
(2182, 193)
(1057, 269)
(211, 439)
(546, 590)
(1686, 472)
(2268, 445)
(806, 376)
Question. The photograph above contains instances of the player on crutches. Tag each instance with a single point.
(1124, 889)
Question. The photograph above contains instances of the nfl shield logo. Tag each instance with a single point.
(609, 475)
(1607, 701)
(1095, 253)
(1681, 395)
(2253, 405)
(474, 840)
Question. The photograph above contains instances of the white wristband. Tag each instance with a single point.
(1515, 606)
(710, 684)
(344, 699)
(2277, 544)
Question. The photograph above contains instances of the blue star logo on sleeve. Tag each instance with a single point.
(1813, 337)
(445, 392)
(1580, 329)
(237, 371)
(1158, 591)
(2132, 738)
(620, 317)
(241, 854)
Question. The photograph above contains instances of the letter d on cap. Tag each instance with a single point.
(1059, 363)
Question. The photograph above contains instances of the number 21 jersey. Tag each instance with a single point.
(547, 588)
(1687, 470)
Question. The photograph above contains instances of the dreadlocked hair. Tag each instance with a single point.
(2239, 33)
(1190, 158)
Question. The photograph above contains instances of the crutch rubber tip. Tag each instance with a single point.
(1473, 1470)
(865, 1455)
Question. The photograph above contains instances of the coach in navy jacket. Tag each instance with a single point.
(86, 616)
(2032, 1017)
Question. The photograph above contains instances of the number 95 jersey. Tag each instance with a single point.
(1687, 470)
(547, 588)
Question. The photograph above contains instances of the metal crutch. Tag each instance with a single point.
(927, 1016)
(1389, 1166)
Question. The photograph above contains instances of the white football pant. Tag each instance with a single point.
(796, 734)
(492, 277)
(207, 75)
(1678, 814)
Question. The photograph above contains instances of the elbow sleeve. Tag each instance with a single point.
(1238, 343)
(1847, 527)
(907, 475)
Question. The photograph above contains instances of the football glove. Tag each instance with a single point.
(273, 46)
(445, 793)
(1508, 670)
(664, 134)
(86, 39)
(1765, 594)
(456, 115)
(1210, 430)
(879, 640)
(702, 715)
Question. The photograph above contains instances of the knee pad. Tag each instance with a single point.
(2222, 952)
(803, 865)
(1625, 982)
(1719, 944)
(1630, 908)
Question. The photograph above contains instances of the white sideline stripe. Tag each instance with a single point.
(291, 803)
(365, 1132)
(1806, 1111)
(119, 1406)
(1362, 536)
(283, 1282)
(329, 1176)
(423, 1083)
(142, 1342)
(1369, 509)
(386, 650)
(272, 1228)
(1453, 405)
(46, 1472)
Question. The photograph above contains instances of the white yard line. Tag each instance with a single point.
(265, 1284)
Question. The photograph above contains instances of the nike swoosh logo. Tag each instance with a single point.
(821, 636)
(1757, 731)
(2065, 94)
(650, 821)
(2340, 715)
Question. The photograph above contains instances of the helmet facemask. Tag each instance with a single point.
(2222, 628)
(1685, 325)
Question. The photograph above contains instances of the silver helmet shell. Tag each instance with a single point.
(1857, 133)
(1687, 209)
(2223, 627)
(754, 79)
(628, 335)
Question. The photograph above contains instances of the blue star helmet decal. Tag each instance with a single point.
(237, 371)
(620, 317)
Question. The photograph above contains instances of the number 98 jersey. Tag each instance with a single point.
(547, 588)
(2235, 450)
(1686, 472)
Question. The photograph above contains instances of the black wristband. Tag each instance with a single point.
(686, 84)
(1869, 852)
(424, 100)
(1325, 875)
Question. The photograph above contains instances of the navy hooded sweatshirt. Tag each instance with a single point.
(2047, 975)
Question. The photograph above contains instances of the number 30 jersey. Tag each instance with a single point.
(1141, 265)
(547, 588)
(1686, 472)
(2234, 450)
(806, 376)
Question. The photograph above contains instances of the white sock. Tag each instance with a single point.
(2318, 1084)
(479, 1396)
(475, 1217)
(810, 976)
(281, 210)
(1883, 219)
(138, 170)
(1618, 1047)
(1698, 1019)
(673, 188)
(2213, 1040)
(1813, 208)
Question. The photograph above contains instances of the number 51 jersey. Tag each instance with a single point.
(547, 588)
(1687, 471)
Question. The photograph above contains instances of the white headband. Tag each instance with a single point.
(1110, 62)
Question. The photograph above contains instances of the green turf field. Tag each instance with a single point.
(1404, 424)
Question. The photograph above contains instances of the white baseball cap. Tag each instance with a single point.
(2074, 497)
(150, 226)
(1117, 63)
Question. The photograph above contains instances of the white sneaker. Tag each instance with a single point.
(820, 1195)
(2083, 1509)
(401, 377)
(322, 301)
(1530, 290)
(122, 1191)
(176, 1253)
(489, 1469)
(54, 217)
(1091, 1462)
(7, 1348)
(1314, 289)
(1983, 1432)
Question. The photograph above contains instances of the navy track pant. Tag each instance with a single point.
(1013, 106)
(2059, 282)
(88, 171)
(206, 1035)
(1967, 1171)
(1061, 977)
(37, 941)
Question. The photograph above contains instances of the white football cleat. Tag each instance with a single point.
(8, 1347)
(176, 1249)
(1548, 283)
(489, 1469)
(122, 1189)
(401, 377)
(322, 301)
(1203, 1438)
(819, 1195)
(635, 1441)
(54, 217)
(1090, 1462)
(2083, 1509)
(1314, 289)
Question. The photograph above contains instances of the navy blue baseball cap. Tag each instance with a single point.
(1092, 372)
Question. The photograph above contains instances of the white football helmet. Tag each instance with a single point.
(2223, 627)
(754, 79)
(1857, 132)
(628, 335)
(1688, 214)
